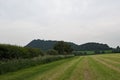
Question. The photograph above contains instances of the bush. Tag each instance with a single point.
(116, 50)
(16, 52)
(52, 52)
(14, 65)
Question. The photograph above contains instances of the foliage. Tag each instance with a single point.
(116, 50)
(94, 67)
(99, 51)
(52, 52)
(16, 52)
(63, 47)
(94, 46)
(41, 44)
(17, 64)
(79, 53)
(13, 58)
(48, 44)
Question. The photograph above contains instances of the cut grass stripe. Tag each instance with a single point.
(117, 59)
(108, 65)
(103, 72)
(110, 55)
(25, 74)
(69, 71)
(57, 71)
(82, 71)
(77, 74)
(95, 67)
(86, 70)
(111, 63)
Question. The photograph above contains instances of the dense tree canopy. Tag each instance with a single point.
(16, 52)
(63, 47)
(94, 46)
(116, 50)
(48, 44)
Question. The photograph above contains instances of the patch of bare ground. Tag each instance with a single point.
(88, 75)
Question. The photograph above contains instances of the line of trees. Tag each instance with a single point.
(17, 52)
(116, 50)
(13, 58)
(60, 48)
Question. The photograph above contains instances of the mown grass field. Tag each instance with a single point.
(93, 67)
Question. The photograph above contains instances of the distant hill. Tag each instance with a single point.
(94, 46)
(48, 44)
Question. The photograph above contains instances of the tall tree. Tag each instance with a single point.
(63, 47)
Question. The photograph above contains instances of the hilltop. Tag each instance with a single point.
(48, 44)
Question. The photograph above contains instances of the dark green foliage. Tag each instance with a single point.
(80, 53)
(13, 58)
(102, 52)
(116, 50)
(48, 44)
(68, 48)
(63, 47)
(52, 52)
(16, 52)
(42, 44)
(99, 52)
(17, 64)
(94, 47)
(35, 52)
(59, 46)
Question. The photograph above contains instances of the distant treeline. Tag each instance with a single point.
(13, 58)
(58, 48)
(17, 52)
(116, 50)
(94, 47)
(48, 44)
(79, 53)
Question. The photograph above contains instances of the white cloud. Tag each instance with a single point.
(79, 21)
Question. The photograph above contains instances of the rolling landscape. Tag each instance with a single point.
(95, 67)
(59, 40)
(59, 62)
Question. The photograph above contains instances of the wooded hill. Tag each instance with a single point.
(48, 44)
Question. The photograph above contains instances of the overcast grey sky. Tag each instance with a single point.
(78, 21)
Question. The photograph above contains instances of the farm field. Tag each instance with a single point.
(93, 67)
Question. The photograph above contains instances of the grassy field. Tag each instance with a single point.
(94, 67)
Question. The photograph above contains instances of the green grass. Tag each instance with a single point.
(103, 72)
(33, 71)
(17, 64)
(117, 59)
(69, 71)
(93, 67)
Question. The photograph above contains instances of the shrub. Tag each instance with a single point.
(16, 52)
(52, 52)
(17, 64)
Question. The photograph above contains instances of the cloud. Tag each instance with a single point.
(79, 21)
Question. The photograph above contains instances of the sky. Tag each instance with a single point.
(78, 21)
